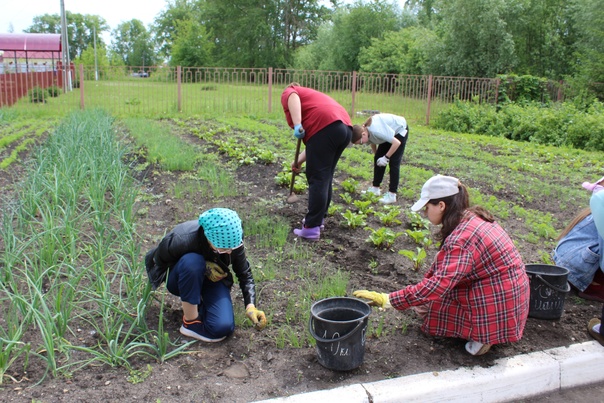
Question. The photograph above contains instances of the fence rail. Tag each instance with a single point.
(156, 90)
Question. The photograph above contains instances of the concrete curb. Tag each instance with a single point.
(509, 379)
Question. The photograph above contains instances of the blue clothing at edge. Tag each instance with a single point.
(581, 250)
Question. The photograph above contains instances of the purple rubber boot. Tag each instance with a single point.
(310, 234)
(322, 223)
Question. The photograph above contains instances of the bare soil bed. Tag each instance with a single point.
(248, 366)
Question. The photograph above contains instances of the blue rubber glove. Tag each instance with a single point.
(299, 131)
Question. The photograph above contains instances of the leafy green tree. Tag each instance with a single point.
(301, 20)
(424, 9)
(353, 27)
(252, 33)
(399, 52)
(47, 24)
(589, 19)
(133, 45)
(475, 41)
(544, 36)
(81, 29)
(242, 32)
(87, 57)
(167, 24)
(193, 46)
(317, 55)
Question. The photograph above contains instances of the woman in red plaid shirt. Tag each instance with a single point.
(476, 288)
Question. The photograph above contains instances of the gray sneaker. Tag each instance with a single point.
(388, 198)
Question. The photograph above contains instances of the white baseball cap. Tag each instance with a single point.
(436, 187)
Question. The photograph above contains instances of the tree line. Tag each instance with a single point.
(554, 39)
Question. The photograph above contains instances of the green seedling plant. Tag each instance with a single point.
(346, 198)
(379, 331)
(287, 336)
(350, 185)
(421, 237)
(382, 237)
(373, 265)
(389, 217)
(284, 177)
(416, 257)
(546, 258)
(372, 197)
(354, 220)
(161, 339)
(139, 375)
(417, 222)
(11, 346)
(363, 206)
(333, 209)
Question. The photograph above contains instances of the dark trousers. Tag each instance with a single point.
(188, 281)
(323, 151)
(394, 164)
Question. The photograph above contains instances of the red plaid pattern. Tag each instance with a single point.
(476, 288)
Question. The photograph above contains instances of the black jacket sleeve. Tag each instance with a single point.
(156, 274)
(184, 238)
(243, 271)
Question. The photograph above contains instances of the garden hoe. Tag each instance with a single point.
(292, 198)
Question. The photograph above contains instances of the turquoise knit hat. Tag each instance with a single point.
(222, 227)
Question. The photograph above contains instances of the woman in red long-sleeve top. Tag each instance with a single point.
(325, 128)
(476, 288)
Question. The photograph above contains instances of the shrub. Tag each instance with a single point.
(37, 95)
(522, 89)
(54, 91)
(561, 124)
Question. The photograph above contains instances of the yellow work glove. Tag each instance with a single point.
(257, 317)
(378, 299)
(214, 272)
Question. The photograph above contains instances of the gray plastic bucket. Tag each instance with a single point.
(338, 325)
(549, 286)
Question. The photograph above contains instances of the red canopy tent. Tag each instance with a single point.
(38, 48)
(24, 64)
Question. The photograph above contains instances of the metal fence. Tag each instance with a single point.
(162, 90)
(14, 85)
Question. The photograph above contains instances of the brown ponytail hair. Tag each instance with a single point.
(455, 206)
(578, 218)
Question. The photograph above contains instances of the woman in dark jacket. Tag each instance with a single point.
(195, 256)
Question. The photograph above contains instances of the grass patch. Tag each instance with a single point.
(162, 147)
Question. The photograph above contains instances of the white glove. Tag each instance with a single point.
(383, 161)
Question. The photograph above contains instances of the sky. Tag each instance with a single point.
(21, 13)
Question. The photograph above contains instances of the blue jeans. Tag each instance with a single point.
(580, 251)
(188, 281)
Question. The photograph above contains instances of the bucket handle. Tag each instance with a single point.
(553, 286)
(322, 340)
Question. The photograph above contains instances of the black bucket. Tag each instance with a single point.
(549, 286)
(338, 325)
